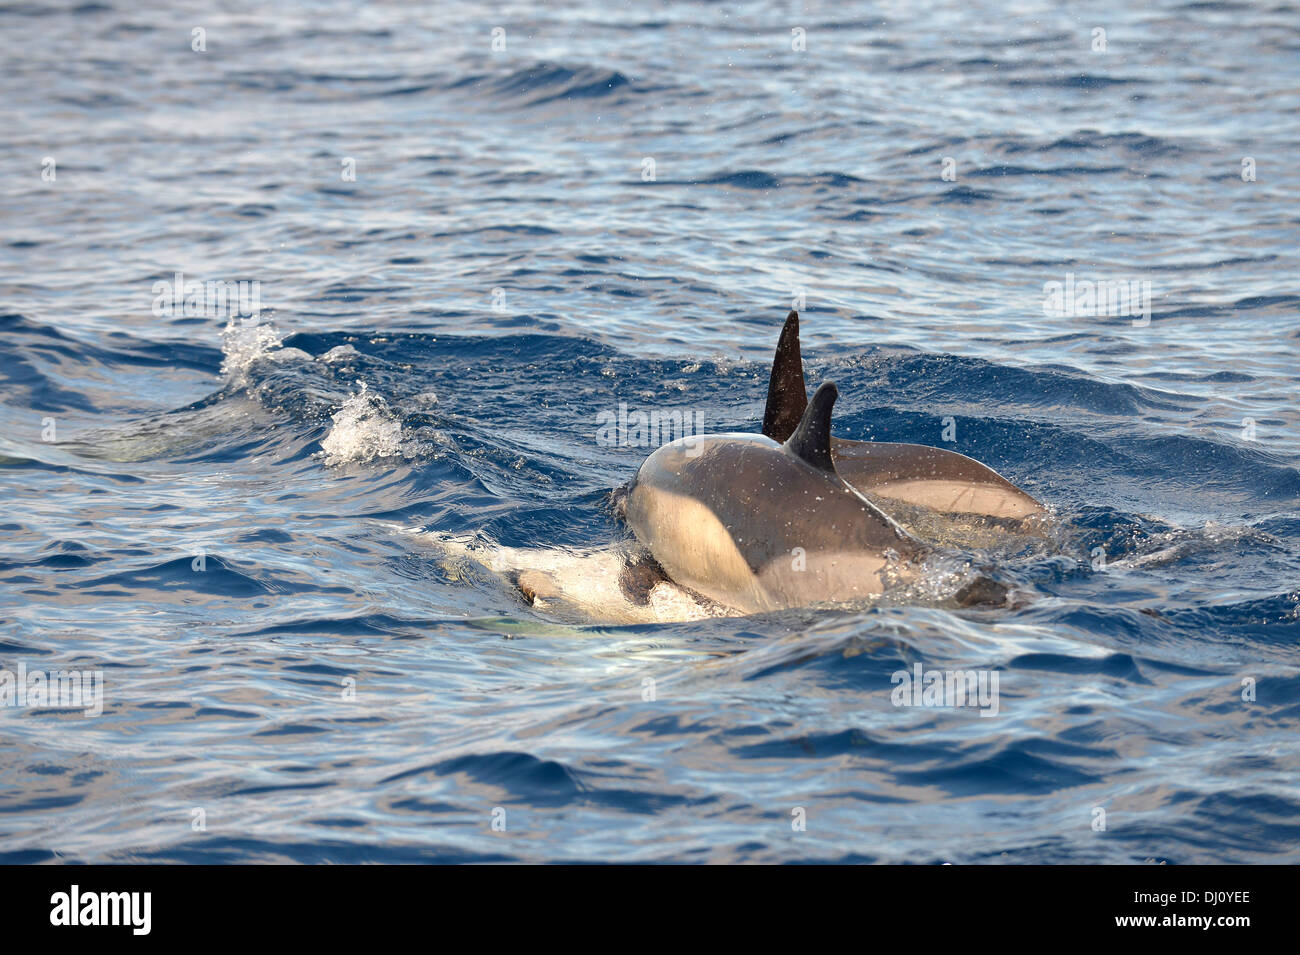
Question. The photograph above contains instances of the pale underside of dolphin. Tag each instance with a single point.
(933, 478)
(615, 584)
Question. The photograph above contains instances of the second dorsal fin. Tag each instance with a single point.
(811, 441)
(786, 397)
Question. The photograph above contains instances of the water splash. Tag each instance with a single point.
(246, 341)
(365, 428)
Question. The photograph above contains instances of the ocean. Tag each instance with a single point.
(294, 294)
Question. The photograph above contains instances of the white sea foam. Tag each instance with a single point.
(340, 353)
(244, 342)
(364, 429)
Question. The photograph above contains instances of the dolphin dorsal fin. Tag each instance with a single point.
(811, 441)
(786, 397)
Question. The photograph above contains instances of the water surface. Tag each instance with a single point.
(223, 524)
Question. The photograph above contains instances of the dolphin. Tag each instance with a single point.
(914, 474)
(747, 523)
(758, 525)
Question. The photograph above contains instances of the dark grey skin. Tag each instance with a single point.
(760, 526)
(932, 478)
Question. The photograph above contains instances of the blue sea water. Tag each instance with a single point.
(233, 520)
